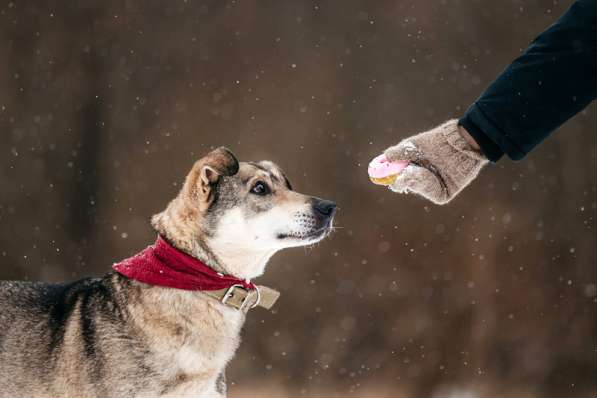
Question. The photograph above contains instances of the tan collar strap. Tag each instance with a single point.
(237, 296)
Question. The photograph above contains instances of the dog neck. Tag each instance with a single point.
(244, 263)
(241, 262)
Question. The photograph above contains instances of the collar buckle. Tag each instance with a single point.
(239, 297)
(231, 293)
(258, 297)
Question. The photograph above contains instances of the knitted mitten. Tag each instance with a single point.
(442, 163)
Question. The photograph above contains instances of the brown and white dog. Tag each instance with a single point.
(118, 337)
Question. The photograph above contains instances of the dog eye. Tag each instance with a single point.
(260, 188)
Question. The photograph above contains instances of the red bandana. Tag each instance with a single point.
(164, 265)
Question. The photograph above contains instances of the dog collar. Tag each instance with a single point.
(237, 296)
(164, 265)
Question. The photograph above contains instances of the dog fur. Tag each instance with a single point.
(117, 337)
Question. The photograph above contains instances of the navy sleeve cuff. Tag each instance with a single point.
(493, 141)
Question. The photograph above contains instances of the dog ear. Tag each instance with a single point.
(206, 174)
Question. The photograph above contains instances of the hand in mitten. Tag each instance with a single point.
(442, 163)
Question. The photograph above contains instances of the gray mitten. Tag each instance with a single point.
(442, 163)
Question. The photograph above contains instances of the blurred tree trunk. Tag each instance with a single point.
(88, 179)
(87, 182)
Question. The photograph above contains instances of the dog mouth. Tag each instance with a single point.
(314, 234)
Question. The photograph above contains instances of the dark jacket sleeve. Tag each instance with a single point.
(554, 79)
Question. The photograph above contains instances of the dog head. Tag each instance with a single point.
(237, 215)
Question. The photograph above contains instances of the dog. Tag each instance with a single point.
(119, 336)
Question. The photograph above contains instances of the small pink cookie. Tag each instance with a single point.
(383, 172)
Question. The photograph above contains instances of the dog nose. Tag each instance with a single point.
(325, 207)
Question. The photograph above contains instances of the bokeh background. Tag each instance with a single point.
(105, 105)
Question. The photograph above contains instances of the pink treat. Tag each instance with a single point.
(380, 167)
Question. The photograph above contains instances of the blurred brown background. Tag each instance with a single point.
(105, 105)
